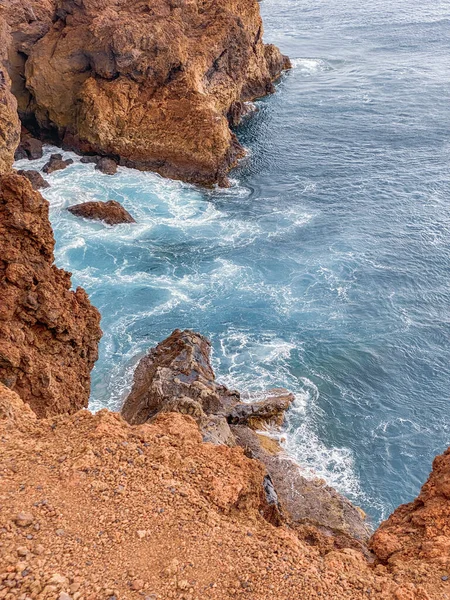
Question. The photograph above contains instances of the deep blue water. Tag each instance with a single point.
(324, 268)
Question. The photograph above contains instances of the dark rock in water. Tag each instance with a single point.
(56, 163)
(86, 160)
(20, 153)
(106, 165)
(110, 212)
(36, 179)
(306, 501)
(30, 148)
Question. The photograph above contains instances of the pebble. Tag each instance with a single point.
(444, 578)
(24, 519)
(137, 585)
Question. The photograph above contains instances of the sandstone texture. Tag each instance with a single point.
(420, 530)
(95, 508)
(110, 212)
(48, 333)
(151, 84)
(177, 376)
(9, 121)
(35, 178)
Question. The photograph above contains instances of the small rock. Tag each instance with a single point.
(64, 596)
(24, 519)
(444, 577)
(137, 585)
(86, 160)
(110, 212)
(141, 534)
(22, 551)
(60, 532)
(35, 178)
(56, 163)
(107, 166)
(30, 148)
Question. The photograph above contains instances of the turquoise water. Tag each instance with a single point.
(324, 268)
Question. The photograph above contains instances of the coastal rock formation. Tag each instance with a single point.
(35, 178)
(150, 83)
(306, 501)
(56, 163)
(177, 376)
(110, 212)
(48, 333)
(169, 517)
(29, 147)
(26, 21)
(420, 530)
(9, 121)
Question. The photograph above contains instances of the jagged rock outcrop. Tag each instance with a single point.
(111, 212)
(149, 83)
(48, 333)
(9, 121)
(177, 376)
(420, 530)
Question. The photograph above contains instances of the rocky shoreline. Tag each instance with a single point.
(184, 494)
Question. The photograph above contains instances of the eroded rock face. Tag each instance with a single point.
(420, 530)
(177, 376)
(48, 333)
(306, 501)
(110, 212)
(9, 121)
(152, 83)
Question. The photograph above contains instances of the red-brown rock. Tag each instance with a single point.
(420, 530)
(152, 83)
(48, 333)
(110, 212)
(9, 121)
(56, 163)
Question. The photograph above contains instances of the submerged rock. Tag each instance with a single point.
(106, 165)
(56, 163)
(35, 178)
(48, 334)
(110, 212)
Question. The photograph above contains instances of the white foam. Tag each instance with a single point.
(311, 66)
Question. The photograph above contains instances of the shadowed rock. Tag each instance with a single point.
(56, 163)
(106, 165)
(110, 212)
(30, 148)
(35, 178)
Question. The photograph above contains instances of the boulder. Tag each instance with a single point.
(87, 160)
(49, 334)
(106, 165)
(56, 163)
(110, 212)
(35, 178)
(30, 148)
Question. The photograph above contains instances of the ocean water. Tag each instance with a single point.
(324, 268)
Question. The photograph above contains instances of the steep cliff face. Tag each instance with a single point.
(9, 121)
(48, 333)
(152, 83)
(420, 530)
(27, 21)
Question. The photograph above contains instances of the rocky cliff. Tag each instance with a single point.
(9, 121)
(154, 84)
(48, 333)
